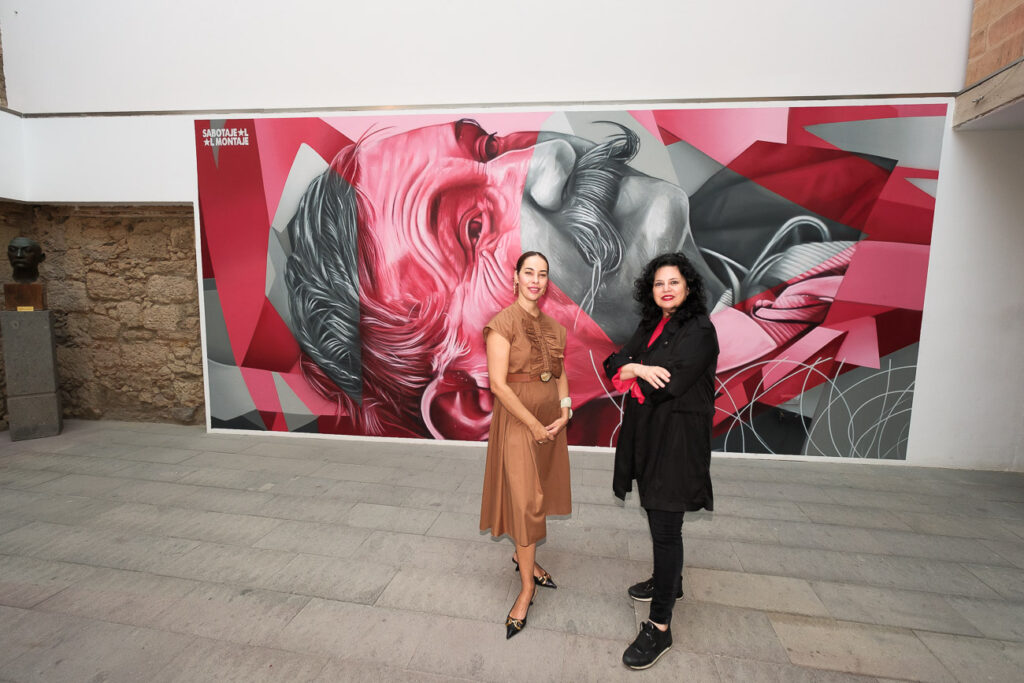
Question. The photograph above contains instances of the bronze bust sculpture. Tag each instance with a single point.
(25, 256)
(25, 294)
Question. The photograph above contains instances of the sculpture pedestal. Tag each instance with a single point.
(30, 361)
(24, 297)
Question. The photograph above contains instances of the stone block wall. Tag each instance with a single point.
(122, 283)
(997, 37)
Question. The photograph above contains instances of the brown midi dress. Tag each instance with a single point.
(524, 481)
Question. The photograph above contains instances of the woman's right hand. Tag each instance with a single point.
(655, 375)
(540, 433)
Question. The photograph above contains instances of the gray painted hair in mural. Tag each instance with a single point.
(323, 283)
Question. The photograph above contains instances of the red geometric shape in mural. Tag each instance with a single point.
(272, 347)
(667, 136)
(723, 134)
(792, 359)
(842, 311)
(279, 142)
(314, 402)
(748, 340)
(335, 424)
(904, 212)
(236, 227)
(897, 329)
(645, 117)
(803, 377)
(832, 183)
(860, 345)
(262, 390)
(887, 274)
(204, 250)
(899, 222)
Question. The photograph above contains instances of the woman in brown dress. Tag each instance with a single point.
(527, 474)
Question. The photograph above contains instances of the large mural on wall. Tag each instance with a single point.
(349, 263)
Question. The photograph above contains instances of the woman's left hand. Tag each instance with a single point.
(557, 426)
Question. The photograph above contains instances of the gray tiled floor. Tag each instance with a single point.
(133, 552)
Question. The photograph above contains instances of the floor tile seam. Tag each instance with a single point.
(195, 636)
(177, 505)
(174, 533)
(199, 584)
(28, 489)
(494, 622)
(147, 536)
(890, 629)
(941, 596)
(353, 556)
(564, 588)
(844, 490)
(895, 552)
(911, 529)
(167, 673)
(968, 566)
(94, 566)
(867, 554)
(50, 558)
(939, 658)
(722, 674)
(1014, 644)
(825, 579)
(257, 457)
(478, 542)
(1018, 534)
(67, 472)
(987, 541)
(105, 497)
(21, 523)
(114, 622)
(58, 637)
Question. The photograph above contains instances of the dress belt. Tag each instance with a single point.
(527, 377)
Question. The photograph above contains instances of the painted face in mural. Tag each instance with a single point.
(393, 260)
(447, 209)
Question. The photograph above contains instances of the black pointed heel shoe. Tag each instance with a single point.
(545, 581)
(514, 626)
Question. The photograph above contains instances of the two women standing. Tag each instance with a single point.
(667, 370)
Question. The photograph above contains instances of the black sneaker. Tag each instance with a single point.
(650, 644)
(644, 591)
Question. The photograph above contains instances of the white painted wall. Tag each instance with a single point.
(969, 400)
(110, 159)
(13, 165)
(174, 55)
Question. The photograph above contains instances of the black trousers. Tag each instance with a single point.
(667, 537)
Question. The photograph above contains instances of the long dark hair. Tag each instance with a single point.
(643, 289)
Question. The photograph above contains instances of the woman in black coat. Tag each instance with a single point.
(668, 370)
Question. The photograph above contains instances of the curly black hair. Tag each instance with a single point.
(643, 289)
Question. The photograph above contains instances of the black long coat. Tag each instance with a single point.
(665, 443)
